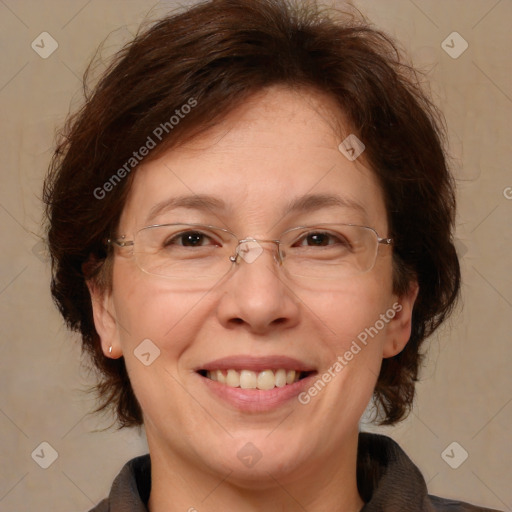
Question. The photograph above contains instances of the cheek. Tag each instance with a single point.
(354, 310)
(356, 322)
(353, 340)
(163, 323)
(147, 308)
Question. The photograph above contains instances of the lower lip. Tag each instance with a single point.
(257, 400)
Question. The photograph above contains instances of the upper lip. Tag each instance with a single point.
(257, 364)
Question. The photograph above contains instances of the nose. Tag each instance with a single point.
(256, 296)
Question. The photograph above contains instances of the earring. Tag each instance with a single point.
(110, 350)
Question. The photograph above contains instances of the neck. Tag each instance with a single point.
(327, 484)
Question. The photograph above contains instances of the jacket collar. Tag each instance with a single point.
(387, 480)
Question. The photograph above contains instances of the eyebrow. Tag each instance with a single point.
(196, 202)
(303, 204)
(311, 202)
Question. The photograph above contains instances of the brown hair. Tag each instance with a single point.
(218, 53)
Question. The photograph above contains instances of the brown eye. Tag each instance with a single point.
(192, 239)
(188, 239)
(318, 239)
(322, 239)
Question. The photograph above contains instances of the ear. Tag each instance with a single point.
(399, 328)
(105, 320)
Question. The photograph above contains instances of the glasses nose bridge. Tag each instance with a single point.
(249, 249)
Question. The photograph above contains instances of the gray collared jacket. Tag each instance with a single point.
(387, 479)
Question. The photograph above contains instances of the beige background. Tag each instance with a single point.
(465, 394)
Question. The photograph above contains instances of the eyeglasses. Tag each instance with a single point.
(200, 252)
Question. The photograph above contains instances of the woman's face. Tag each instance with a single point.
(278, 147)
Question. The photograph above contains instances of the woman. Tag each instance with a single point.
(250, 223)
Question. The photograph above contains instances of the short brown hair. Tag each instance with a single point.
(220, 52)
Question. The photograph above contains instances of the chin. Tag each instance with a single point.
(257, 461)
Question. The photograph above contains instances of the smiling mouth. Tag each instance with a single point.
(248, 379)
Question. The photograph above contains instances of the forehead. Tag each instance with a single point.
(264, 156)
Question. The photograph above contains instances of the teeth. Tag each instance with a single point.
(220, 376)
(281, 378)
(233, 379)
(247, 379)
(266, 380)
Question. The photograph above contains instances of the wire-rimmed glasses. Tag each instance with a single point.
(199, 252)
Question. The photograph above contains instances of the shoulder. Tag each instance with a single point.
(446, 505)
(103, 506)
(131, 488)
(389, 481)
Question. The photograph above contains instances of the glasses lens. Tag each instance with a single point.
(198, 252)
(184, 251)
(329, 250)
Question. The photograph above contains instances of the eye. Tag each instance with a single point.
(322, 239)
(189, 239)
